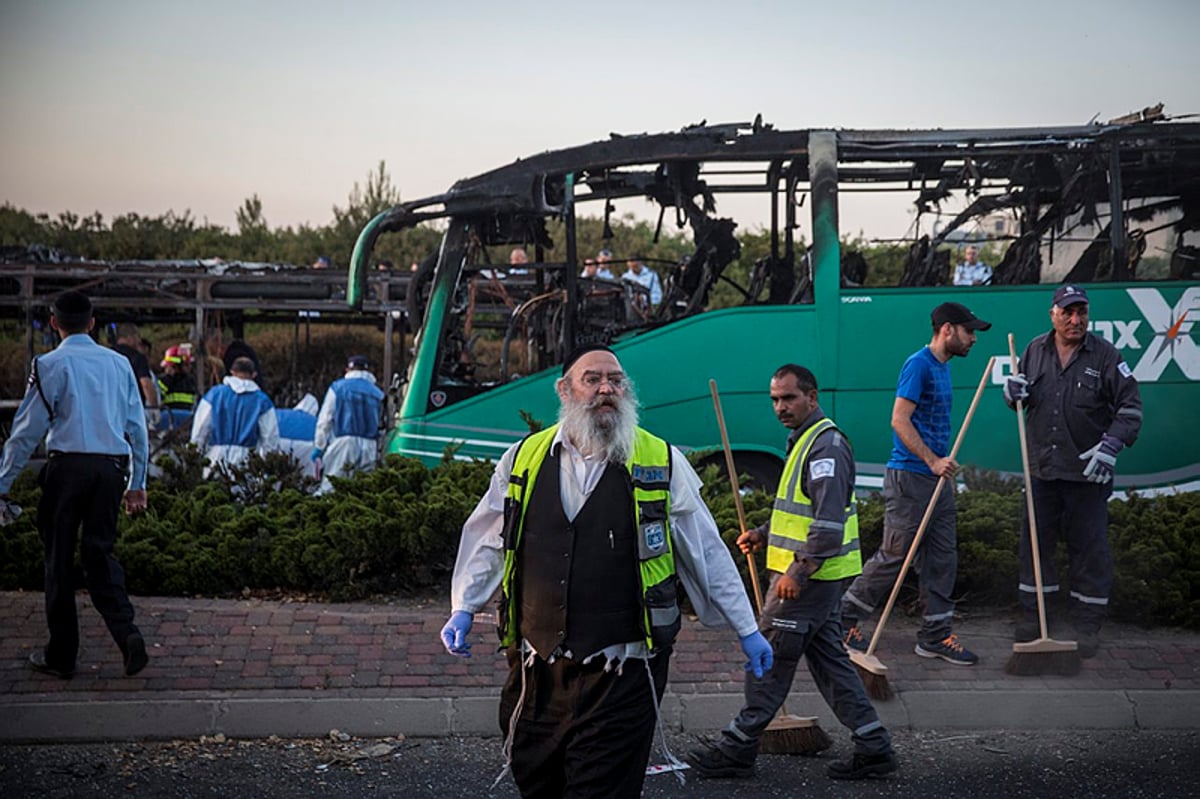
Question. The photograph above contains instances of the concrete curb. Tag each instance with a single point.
(46, 719)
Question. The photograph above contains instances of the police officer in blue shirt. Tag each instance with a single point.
(84, 399)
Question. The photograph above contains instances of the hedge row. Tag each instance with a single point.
(395, 531)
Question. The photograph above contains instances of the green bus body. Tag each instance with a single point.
(859, 357)
(855, 341)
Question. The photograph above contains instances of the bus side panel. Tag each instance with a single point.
(1148, 322)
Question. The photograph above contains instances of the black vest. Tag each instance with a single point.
(577, 583)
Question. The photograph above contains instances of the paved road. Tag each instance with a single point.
(253, 668)
(978, 765)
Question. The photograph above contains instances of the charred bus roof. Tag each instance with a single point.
(1157, 157)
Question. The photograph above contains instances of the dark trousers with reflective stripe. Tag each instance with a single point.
(1076, 513)
(809, 627)
(81, 496)
(906, 495)
(582, 732)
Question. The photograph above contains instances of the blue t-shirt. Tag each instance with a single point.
(926, 381)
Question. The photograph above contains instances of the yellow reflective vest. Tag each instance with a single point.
(793, 516)
(650, 472)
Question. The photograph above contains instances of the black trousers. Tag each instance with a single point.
(1077, 513)
(809, 627)
(582, 732)
(82, 493)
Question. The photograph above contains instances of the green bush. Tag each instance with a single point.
(396, 530)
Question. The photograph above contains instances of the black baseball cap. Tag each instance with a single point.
(957, 314)
(358, 362)
(1069, 294)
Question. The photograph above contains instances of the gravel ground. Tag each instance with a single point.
(975, 765)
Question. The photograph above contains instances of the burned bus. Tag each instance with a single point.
(1113, 206)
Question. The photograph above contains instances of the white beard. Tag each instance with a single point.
(606, 435)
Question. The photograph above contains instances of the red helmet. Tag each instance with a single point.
(177, 355)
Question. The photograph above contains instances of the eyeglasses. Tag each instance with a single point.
(593, 379)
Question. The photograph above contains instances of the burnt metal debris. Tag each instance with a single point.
(1057, 184)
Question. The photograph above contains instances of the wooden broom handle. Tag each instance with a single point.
(737, 494)
(937, 490)
(1033, 539)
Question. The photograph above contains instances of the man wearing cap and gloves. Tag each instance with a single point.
(920, 456)
(348, 424)
(235, 418)
(85, 400)
(1082, 407)
(587, 528)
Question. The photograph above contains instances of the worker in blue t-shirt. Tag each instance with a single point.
(920, 456)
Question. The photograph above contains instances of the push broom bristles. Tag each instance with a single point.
(793, 735)
(1044, 656)
(873, 674)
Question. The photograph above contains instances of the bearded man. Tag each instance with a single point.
(587, 529)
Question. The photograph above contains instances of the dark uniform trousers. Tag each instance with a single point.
(583, 733)
(810, 627)
(82, 489)
(1076, 513)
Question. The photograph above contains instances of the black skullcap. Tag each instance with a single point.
(580, 351)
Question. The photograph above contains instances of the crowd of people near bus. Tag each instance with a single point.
(236, 416)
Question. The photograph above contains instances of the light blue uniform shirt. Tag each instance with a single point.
(97, 408)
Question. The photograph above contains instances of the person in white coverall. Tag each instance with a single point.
(235, 418)
(348, 424)
(297, 429)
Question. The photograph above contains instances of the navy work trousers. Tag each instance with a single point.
(1077, 514)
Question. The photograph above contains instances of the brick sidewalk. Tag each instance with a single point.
(275, 648)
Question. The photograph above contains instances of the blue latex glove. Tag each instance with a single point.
(1016, 389)
(9, 512)
(454, 634)
(756, 648)
(1101, 459)
(316, 455)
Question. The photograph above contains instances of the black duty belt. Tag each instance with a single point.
(120, 460)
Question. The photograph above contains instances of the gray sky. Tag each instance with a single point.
(133, 106)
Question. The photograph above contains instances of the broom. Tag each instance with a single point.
(1043, 655)
(870, 668)
(786, 734)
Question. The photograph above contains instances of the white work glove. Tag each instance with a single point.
(1016, 389)
(9, 512)
(1101, 459)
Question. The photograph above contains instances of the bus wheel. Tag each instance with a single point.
(760, 470)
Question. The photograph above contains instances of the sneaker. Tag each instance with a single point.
(856, 640)
(949, 650)
(861, 767)
(37, 662)
(710, 762)
(135, 654)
